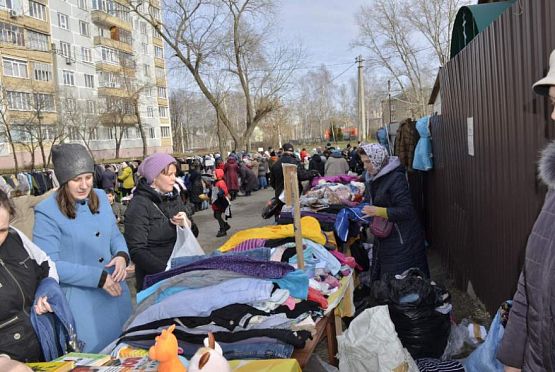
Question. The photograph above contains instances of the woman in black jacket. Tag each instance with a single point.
(22, 266)
(387, 190)
(152, 216)
(316, 163)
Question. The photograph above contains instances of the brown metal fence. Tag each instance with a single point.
(480, 209)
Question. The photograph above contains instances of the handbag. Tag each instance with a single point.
(380, 227)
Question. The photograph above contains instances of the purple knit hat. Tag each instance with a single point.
(154, 164)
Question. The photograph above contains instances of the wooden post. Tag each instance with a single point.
(291, 192)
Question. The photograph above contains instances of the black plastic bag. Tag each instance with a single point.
(412, 301)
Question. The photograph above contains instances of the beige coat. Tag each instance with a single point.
(25, 212)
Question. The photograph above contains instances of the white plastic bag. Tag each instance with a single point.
(370, 344)
(185, 245)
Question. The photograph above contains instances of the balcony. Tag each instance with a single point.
(159, 62)
(103, 18)
(99, 40)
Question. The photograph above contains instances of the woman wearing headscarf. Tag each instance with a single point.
(528, 341)
(387, 191)
(152, 216)
(75, 226)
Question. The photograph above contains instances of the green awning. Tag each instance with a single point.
(473, 19)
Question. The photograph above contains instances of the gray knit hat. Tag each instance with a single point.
(71, 160)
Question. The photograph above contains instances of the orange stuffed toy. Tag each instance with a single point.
(165, 351)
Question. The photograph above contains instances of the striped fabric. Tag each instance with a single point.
(247, 245)
(436, 365)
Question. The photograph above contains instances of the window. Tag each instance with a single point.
(37, 10)
(44, 102)
(109, 80)
(160, 73)
(84, 28)
(90, 107)
(63, 21)
(11, 34)
(109, 55)
(89, 81)
(6, 4)
(150, 112)
(151, 133)
(69, 77)
(143, 28)
(65, 49)
(148, 92)
(38, 41)
(113, 8)
(83, 4)
(42, 71)
(19, 101)
(165, 132)
(158, 52)
(162, 92)
(70, 105)
(15, 68)
(163, 111)
(145, 48)
(86, 54)
(24, 101)
(146, 70)
(154, 13)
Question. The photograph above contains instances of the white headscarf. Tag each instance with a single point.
(377, 154)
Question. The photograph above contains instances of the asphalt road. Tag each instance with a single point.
(245, 210)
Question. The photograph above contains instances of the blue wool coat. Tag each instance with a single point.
(81, 247)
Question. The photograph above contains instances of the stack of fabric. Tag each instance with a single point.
(249, 294)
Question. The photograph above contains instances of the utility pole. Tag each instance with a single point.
(362, 130)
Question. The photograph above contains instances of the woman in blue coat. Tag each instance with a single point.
(76, 227)
(387, 190)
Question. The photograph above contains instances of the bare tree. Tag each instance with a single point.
(228, 39)
(121, 110)
(6, 123)
(408, 41)
(82, 121)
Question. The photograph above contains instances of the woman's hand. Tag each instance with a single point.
(181, 219)
(512, 369)
(119, 264)
(42, 306)
(370, 210)
(113, 288)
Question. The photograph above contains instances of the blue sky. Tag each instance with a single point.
(326, 29)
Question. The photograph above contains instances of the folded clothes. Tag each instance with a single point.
(235, 263)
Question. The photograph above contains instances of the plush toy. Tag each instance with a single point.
(165, 351)
(209, 358)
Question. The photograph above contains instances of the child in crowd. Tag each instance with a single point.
(117, 208)
(220, 201)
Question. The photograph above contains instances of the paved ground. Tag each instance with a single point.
(246, 211)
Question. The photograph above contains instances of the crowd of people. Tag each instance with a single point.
(83, 240)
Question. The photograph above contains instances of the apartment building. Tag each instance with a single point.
(94, 68)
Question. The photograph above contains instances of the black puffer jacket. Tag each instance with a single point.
(149, 234)
(276, 178)
(404, 248)
(316, 163)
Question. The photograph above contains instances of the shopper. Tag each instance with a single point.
(220, 201)
(77, 229)
(127, 179)
(276, 178)
(152, 216)
(24, 265)
(249, 181)
(109, 178)
(336, 165)
(387, 190)
(231, 176)
(262, 171)
(528, 341)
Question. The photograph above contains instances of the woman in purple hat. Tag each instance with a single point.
(152, 216)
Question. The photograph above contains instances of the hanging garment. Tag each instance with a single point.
(423, 152)
(405, 142)
(309, 225)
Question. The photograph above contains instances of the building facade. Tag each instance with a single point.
(86, 71)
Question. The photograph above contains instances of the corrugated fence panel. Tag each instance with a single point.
(481, 208)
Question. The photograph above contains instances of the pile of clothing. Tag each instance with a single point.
(249, 294)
